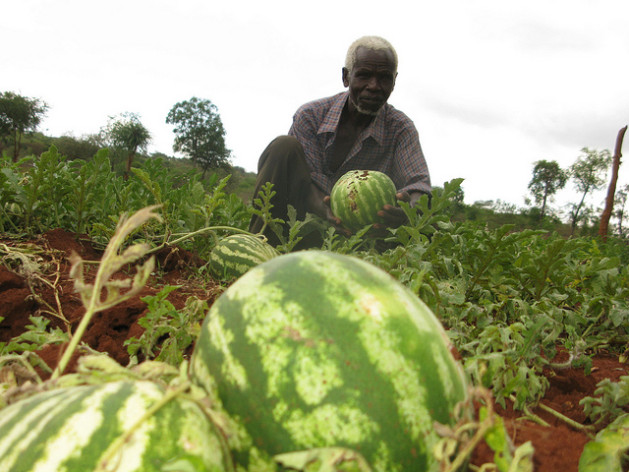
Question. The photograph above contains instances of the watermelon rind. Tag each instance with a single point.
(315, 349)
(358, 196)
(234, 255)
(71, 429)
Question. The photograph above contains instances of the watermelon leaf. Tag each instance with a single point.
(605, 453)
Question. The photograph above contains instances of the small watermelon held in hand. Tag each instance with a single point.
(236, 254)
(109, 427)
(315, 349)
(359, 195)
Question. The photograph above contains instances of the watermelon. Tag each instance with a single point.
(359, 195)
(315, 349)
(71, 429)
(236, 254)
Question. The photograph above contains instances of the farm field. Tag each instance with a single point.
(539, 323)
(557, 445)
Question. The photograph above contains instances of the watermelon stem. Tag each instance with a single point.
(111, 263)
(576, 425)
(22, 359)
(210, 229)
(483, 426)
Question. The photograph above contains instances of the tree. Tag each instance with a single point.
(199, 133)
(76, 148)
(18, 115)
(620, 201)
(547, 179)
(588, 174)
(126, 132)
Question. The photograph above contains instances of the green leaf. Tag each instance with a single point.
(605, 452)
(498, 440)
(506, 457)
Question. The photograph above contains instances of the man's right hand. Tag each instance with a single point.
(319, 204)
(334, 220)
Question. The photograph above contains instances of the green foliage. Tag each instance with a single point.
(506, 457)
(77, 148)
(105, 291)
(127, 133)
(18, 357)
(262, 207)
(609, 451)
(620, 202)
(37, 335)
(199, 133)
(547, 179)
(39, 196)
(19, 114)
(510, 296)
(168, 332)
(54, 193)
(290, 232)
(588, 174)
(610, 401)
(427, 215)
(49, 191)
(92, 179)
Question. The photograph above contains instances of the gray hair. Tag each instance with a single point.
(374, 43)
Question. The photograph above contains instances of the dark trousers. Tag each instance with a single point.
(283, 163)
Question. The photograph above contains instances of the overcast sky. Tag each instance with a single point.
(492, 85)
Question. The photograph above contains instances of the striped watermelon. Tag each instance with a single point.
(315, 349)
(236, 254)
(359, 195)
(71, 429)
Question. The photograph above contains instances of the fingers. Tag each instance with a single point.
(336, 221)
(393, 216)
(403, 196)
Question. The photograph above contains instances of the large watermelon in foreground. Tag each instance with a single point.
(71, 429)
(315, 349)
(236, 254)
(359, 195)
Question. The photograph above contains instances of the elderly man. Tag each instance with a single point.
(355, 129)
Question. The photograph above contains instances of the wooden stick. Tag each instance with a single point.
(609, 201)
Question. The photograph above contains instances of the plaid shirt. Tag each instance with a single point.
(390, 144)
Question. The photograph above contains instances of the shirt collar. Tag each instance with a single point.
(331, 120)
(332, 117)
(376, 127)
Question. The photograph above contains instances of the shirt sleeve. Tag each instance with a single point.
(409, 165)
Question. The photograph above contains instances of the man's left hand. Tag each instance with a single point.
(393, 215)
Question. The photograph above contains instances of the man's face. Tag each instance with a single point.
(371, 81)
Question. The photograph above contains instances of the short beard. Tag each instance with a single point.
(362, 111)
